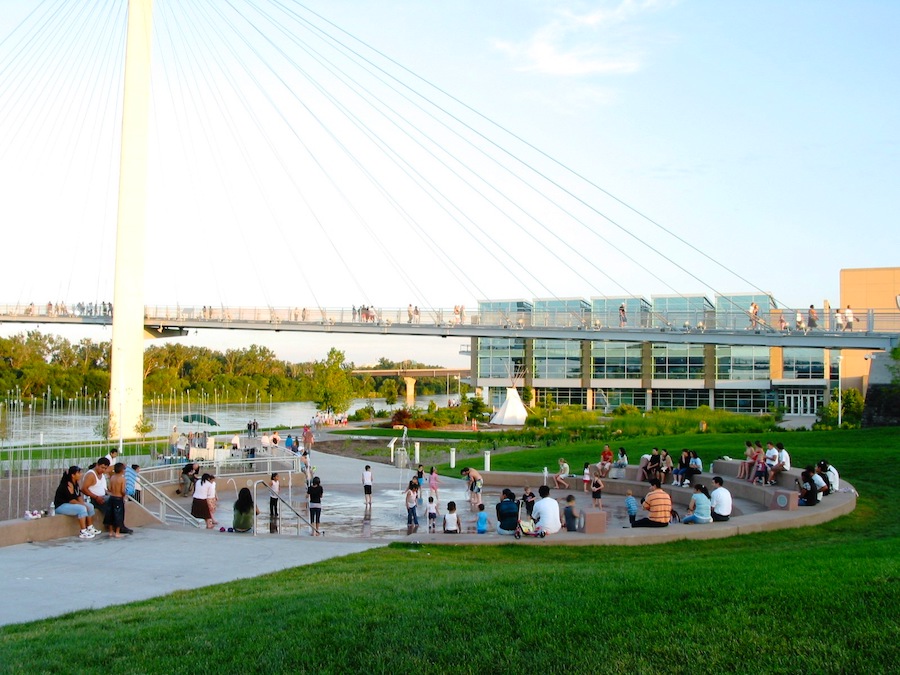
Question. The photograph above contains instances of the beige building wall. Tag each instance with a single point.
(864, 289)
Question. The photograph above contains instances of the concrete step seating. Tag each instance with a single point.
(49, 528)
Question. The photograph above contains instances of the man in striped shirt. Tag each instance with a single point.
(659, 505)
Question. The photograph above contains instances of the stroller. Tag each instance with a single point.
(526, 525)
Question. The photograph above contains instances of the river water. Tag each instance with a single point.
(75, 421)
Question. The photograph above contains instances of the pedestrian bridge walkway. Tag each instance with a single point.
(873, 330)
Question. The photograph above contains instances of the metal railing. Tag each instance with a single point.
(166, 505)
(865, 319)
(282, 501)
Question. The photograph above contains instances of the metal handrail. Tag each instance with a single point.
(280, 499)
(166, 502)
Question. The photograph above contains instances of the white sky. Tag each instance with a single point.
(765, 134)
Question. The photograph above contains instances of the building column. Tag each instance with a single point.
(410, 391)
(586, 371)
(647, 373)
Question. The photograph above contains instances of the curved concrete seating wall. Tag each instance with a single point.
(22, 531)
(775, 518)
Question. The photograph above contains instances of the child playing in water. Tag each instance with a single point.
(586, 476)
(529, 498)
(432, 514)
(451, 519)
(631, 505)
(483, 522)
(597, 490)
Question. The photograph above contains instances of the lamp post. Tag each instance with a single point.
(840, 401)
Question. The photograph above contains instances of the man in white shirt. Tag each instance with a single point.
(546, 512)
(834, 478)
(720, 501)
(783, 463)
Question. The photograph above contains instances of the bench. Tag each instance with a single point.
(48, 528)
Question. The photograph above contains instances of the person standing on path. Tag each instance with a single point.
(367, 481)
(315, 492)
(412, 494)
(275, 487)
(433, 483)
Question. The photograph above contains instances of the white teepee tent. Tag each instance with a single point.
(512, 412)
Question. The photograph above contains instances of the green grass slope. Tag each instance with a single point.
(811, 600)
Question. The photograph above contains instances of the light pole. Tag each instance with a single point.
(840, 401)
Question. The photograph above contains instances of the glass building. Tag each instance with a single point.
(680, 311)
(561, 312)
(597, 374)
(733, 310)
(605, 312)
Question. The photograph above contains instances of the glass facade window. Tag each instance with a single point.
(678, 362)
(501, 357)
(613, 398)
(754, 401)
(561, 312)
(504, 313)
(675, 399)
(742, 363)
(605, 312)
(563, 396)
(677, 311)
(616, 360)
(804, 364)
(557, 359)
(733, 311)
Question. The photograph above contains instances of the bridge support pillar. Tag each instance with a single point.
(126, 386)
(410, 391)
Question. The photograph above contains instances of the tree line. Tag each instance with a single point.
(33, 364)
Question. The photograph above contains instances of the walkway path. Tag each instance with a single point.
(51, 578)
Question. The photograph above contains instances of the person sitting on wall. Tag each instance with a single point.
(659, 505)
(720, 501)
(507, 513)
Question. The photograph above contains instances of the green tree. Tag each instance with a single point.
(142, 427)
(332, 388)
(852, 403)
(389, 391)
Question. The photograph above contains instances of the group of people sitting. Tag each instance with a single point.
(659, 465)
(817, 481)
(704, 507)
(104, 487)
(763, 466)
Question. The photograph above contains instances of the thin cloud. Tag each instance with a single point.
(598, 42)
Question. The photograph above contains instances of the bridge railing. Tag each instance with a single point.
(865, 320)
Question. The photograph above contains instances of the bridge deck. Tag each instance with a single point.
(876, 330)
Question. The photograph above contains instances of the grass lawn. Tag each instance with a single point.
(812, 600)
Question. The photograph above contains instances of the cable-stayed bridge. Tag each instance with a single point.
(268, 154)
(873, 330)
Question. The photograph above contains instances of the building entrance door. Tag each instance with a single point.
(801, 403)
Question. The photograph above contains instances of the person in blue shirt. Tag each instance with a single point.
(482, 523)
(631, 505)
(699, 508)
